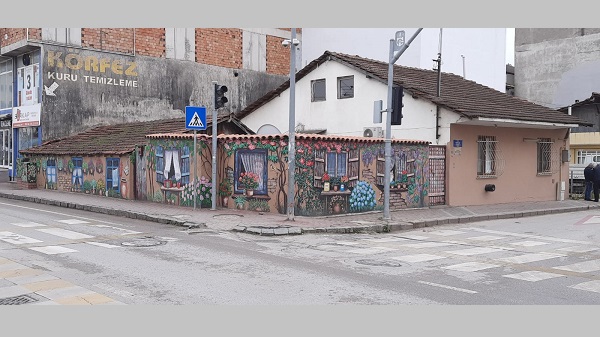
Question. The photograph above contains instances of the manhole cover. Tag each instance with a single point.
(23, 299)
(379, 263)
(144, 242)
(228, 216)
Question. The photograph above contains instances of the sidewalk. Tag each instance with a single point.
(277, 224)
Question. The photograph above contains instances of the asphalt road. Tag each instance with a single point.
(536, 260)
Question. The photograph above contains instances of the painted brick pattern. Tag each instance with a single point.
(12, 35)
(278, 56)
(219, 47)
(108, 39)
(150, 42)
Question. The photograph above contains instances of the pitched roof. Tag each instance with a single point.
(465, 97)
(109, 139)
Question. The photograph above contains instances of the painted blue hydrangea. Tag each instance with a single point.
(362, 198)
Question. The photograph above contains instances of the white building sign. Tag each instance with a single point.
(24, 116)
(28, 81)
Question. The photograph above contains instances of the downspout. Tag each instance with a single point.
(439, 91)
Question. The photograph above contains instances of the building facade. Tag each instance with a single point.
(55, 82)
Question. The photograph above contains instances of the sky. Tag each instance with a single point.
(510, 46)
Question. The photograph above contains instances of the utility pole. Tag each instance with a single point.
(292, 127)
(400, 46)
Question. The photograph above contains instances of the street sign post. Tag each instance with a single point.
(195, 119)
(399, 40)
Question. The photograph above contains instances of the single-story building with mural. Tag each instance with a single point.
(155, 161)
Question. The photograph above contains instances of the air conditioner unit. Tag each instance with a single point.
(373, 131)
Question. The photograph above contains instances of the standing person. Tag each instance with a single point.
(596, 183)
(588, 175)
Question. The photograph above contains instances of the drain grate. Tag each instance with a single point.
(23, 299)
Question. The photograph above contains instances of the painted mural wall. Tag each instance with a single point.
(106, 176)
(332, 176)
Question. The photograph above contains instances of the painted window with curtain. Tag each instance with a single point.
(112, 174)
(51, 171)
(337, 164)
(77, 176)
(172, 165)
(252, 161)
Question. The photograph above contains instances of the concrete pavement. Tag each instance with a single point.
(270, 223)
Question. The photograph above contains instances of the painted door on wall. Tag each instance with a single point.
(140, 175)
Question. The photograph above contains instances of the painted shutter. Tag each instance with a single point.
(353, 167)
(319, 168)
(380, 168)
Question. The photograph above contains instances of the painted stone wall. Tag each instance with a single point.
(171, 171)
(107, 176)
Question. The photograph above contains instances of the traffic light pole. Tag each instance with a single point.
(292, 131)
(388, 121)
(214, 153)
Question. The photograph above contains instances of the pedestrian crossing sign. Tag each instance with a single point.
(195, 118)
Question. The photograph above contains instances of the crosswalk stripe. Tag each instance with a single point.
(526, 258)
(73, 221)
(471, 266)
(373, 250)
(64, 233)
(28, 224)
(474, 251)
(581, 267)
(17, 239)
(533, 275)
(589, 286)
(100, 244)
(418, 258)
(51, 250)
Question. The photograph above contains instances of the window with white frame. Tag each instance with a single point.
(317, 90)
(252, 161)
(487, 156)
(345, 87)
(582, 154)
(6, 84)
(544, 156)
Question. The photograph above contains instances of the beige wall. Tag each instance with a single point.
(518, 180)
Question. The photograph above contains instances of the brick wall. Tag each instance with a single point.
(109, 39)
(219, 47)
(13, 35)
(278, 56)
(35, 34)
(150, 42)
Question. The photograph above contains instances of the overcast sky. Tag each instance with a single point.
(510, 46)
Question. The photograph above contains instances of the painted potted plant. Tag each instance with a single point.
(343, 183)
(337, 204)
(59, 164)
(250, 182)
(325, 178)
(225, 190)
(91, 168)
(94, 184)
(335, 182)
(87, 186)
(100, 186)
(240, 201)
(99, 166)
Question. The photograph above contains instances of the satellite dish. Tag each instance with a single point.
(368, 133)
(268, 129)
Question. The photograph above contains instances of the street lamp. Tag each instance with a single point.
(293, 42)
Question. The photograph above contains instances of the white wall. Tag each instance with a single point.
(349, 116)
(484, 49)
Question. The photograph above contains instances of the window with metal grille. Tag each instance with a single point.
(317, 90)
(345, 87)
(486, 157)
(544, 156)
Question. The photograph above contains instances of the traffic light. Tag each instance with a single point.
(220, 98)
(397, 94)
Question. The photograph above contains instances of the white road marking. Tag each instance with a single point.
(345, 243)
(51, 250)
(589, 286)
(64, 233)
(486, 238)
(58, 213)
(166, 238)
(12, 266)
(449, 287)
(582, 267)
(73, 221)
(446, 232)
(416, 237)
(578, 249)
(533, 276)
(474, 251)
(427, 244)
(17, 239)
(383, 240)
(471, 266)
(100, 244)
(593, 220)
(373, 250)
(529, 243)
(526, 258)
(29, 224)
(545, 238)
(418, 258)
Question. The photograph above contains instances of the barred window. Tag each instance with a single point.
(487, 159)
(544, 156)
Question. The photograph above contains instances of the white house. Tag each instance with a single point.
(491, 138)
(483, 49)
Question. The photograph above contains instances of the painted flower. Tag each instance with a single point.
(251, 146)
